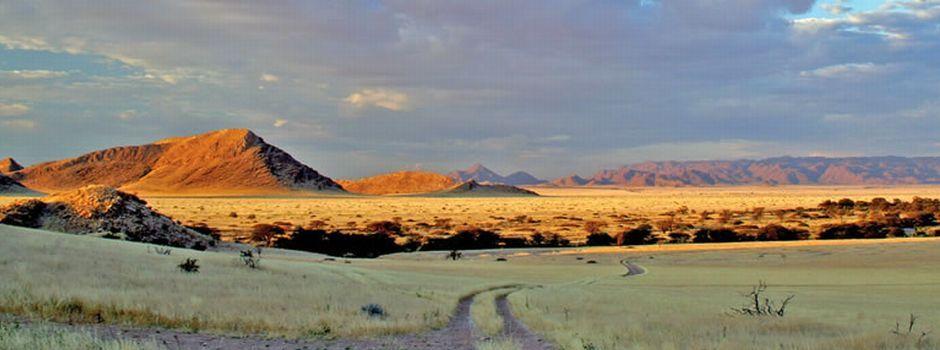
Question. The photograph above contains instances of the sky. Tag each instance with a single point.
(355, 88)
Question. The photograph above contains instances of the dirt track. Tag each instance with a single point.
(514, 329)
(459, 334)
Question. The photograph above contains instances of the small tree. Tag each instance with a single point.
(642, 234)
(537, 239)
(266, 233)
(599, 239)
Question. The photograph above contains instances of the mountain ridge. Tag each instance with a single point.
(885, 170)
(228, 161)
(478, 172)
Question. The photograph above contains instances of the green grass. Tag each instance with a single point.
(73, 278)
(46, 337)
(846, 296)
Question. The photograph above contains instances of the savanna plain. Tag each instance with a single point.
(822, 294)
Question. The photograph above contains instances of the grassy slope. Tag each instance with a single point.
(846, 295)
(67, 277)
(45, 337)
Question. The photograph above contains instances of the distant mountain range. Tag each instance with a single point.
(480, 173)
(771, 171)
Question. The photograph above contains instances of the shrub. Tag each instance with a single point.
(716, 235)
(679, 237)
(513, 242)
(266, 233)
(854, 231)
(599, 239)
(340, 244)
(204, 229)
(387, 227)
(639, 235)
(537, 239)
(555, 240)
(189, 265)
(251, 259)
(775, 232)
(758, 304)
(373, 310)
(466, 239)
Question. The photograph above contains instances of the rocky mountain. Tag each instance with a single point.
(774, 171)
(402, 182)
(232, 161)
(486, 189)
(480, 173)
(101, 210)
(9, 165)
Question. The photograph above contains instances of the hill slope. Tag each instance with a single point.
(774, 171)
(233, 161)
(8, 186)
(474, 188)
(402, 182)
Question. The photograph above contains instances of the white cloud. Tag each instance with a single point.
(280, 122)
(7, 110)
(837, 7)
(19, 124)
(382, 98)
(846, 71)
(127, 115)
(270, 78)
(34, 74)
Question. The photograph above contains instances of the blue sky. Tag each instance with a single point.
(354, 88)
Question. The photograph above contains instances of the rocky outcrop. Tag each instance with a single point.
(105, 211)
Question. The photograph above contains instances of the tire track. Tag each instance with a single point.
(515, 330)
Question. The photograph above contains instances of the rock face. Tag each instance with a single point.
(101, 210)
(774, 171)
(402, 182)
(9, 165)
(473, 188)
(480, 173)
(234, 161)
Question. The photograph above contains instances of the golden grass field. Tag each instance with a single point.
(558, 210)
(847, 294)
